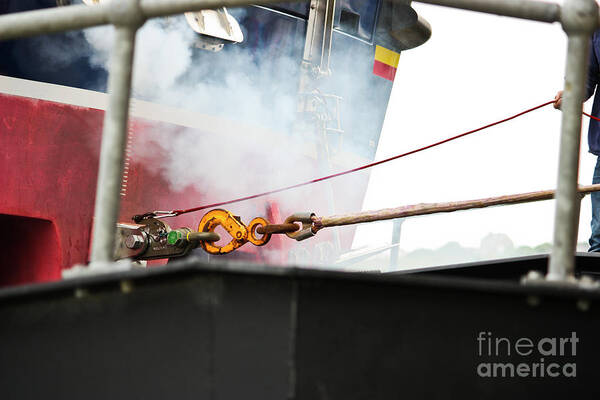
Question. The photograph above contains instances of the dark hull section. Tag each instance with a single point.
(269, 60)
(197, 331)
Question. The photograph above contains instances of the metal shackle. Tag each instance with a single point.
(306, 231)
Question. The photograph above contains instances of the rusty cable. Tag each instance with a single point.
(318, 224)
(277, 228)
(203, 237)
(433, 208)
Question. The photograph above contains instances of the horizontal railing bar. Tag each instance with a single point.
(52, 20)
(59, 19)
(526, 9)
(160, 8)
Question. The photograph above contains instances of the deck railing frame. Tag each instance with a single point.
(579, 19)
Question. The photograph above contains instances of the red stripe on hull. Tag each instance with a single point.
(49, 167)
(383, 70)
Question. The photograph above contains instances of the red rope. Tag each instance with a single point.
(591, 116)
(254, 196)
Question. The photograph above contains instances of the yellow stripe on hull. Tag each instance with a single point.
(386, 56)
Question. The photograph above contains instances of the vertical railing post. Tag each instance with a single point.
(395, 250)
(579, 19)
(127, 18)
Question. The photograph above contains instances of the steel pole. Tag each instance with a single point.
(59, 19)
(112, 152)
(579, 19)
(395, 249)
(161, 8)
(51, 20)
(526, 9)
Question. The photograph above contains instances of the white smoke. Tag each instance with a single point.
(162, 55)
(256, 89)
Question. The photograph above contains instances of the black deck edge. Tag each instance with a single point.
(475, 264)
(193, 267)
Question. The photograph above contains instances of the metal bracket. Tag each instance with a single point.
(536, 278)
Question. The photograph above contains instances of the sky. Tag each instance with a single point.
(475, 69)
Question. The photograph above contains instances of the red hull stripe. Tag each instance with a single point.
(383, 70)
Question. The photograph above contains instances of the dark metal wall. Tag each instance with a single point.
(193, 331)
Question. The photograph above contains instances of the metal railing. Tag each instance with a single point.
(579, 18)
